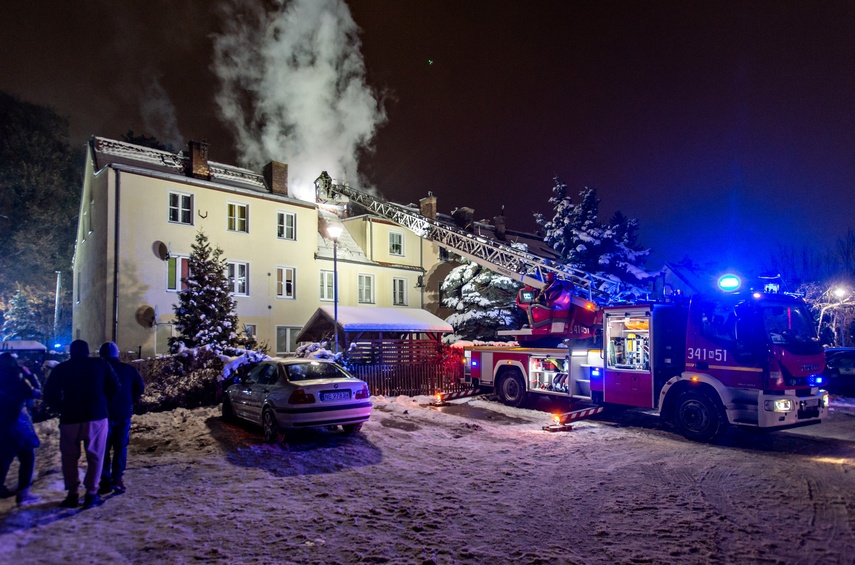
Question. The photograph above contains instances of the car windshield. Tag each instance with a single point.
(788, 323)
(309, 371)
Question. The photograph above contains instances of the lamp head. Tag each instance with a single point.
(334, 232)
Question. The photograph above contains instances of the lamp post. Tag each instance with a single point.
(335, 232)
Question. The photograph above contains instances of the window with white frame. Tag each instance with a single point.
(396, 243)
(327, 291)
(285, 282)
(177, 269)
(286, 339)
(238, 217)
(181, 208)
(286, 225)
(238, 274)
(366, 289)
(399, 292)
(249, 331)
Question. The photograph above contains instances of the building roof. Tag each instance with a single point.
(353, 319)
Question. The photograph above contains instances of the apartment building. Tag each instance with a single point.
(141, 209)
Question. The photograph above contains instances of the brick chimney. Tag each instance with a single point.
(276, 177)
(427, 206)
(199, 160)
(463, 217)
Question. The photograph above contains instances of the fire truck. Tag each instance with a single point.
(749, 359)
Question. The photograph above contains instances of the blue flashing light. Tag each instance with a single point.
(474, 363)
(595, 372)
(729, 283)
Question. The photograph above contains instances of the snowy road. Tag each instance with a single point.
(424, 486)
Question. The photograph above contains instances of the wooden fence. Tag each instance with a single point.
(406, 367)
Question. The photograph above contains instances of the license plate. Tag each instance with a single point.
(336, 395)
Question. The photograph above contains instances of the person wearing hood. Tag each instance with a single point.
(17, 435)
(80, 390)
(121, 409)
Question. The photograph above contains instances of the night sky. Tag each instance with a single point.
(726, 128)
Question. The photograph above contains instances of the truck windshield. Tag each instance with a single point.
(788, 323)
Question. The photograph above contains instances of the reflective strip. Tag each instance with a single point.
(726, 368)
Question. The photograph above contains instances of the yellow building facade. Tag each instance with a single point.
(142, 208)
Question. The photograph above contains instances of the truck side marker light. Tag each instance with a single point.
(694, 378)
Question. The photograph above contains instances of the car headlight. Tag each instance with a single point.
(779, 405)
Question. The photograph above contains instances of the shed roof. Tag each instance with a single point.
(371, 319)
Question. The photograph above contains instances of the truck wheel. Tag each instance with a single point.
(698, 417)
(511, 389)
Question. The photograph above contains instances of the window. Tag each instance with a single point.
(327, 292)
(366, 289)
(399, 292)
(181, 208)
(238, 274)
(286, 339)
(286, 225)
(177, 269)
(285, 282)
(396, 244)
(249, 330)
(238, 217)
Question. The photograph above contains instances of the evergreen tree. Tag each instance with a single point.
(483, 302)
(205, 313)
(584, 243)
(28, 316)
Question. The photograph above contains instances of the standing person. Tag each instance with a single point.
(17, 435)
(121, 409)
(79, 389)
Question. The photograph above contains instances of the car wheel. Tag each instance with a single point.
(511, 389)
(698, 417)
(269, 427)
(350, 429)
(228, 410)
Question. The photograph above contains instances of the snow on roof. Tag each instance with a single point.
(347, 247)
(22, 345)
(372, 319)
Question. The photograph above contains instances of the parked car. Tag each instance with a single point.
(282, 394)
(840, 370)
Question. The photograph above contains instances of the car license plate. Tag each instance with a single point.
(336, 395)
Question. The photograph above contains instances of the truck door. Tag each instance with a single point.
(628, 377)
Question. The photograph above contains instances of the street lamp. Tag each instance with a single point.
(335, 232)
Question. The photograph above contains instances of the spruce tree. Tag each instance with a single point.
(205, 313)
(26, 317)
(483, 302)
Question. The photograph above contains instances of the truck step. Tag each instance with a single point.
(561, 423)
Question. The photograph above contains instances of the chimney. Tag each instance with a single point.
(276, 177)
(499, 224)
(427, 206)
(199, 160)
(463, 217)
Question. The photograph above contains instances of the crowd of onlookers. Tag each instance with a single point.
(94, 398)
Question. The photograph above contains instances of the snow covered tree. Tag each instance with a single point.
(28, 316)
(584, 243)
(205, 313)
(483, 302)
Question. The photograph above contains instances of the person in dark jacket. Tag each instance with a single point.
(17, 435)
(121, 409)
(80, 389)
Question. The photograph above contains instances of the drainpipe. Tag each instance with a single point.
(115, 337)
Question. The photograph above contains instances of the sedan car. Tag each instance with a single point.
(282, 394)
(840, 370)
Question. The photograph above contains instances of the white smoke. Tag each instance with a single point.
(294, 89)
(158, 113)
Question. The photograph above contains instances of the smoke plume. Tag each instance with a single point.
(294, 89)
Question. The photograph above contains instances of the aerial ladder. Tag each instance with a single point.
(561, 302)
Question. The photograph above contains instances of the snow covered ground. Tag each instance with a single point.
(476, 482)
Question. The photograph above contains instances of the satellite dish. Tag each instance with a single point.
(161, 250)
(146, 316)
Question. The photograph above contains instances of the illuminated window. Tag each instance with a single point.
(396, 244)
(285, 282)
(366, 289)
(286, 225)
(177, 270)
(238, 274)
(327, 285)
(399, 292)
(181, 208)
(238, 217)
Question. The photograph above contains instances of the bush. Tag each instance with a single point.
(185, 380)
